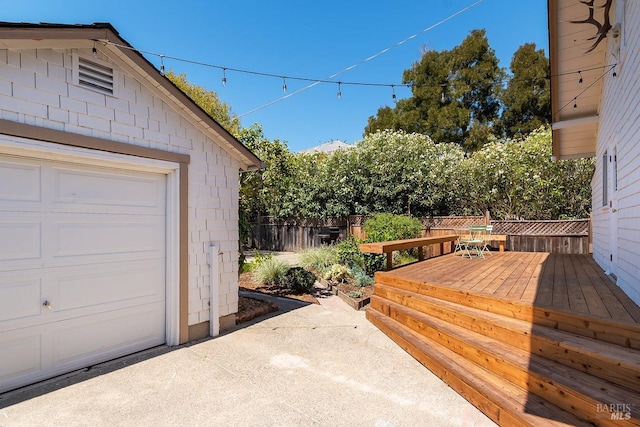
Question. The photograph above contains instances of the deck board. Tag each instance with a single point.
(568, 283)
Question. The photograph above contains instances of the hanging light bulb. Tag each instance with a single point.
(162, 64)
(575, 105)
(339, 92)
(224, 77)
(580, 81)
(94, 50)
(393, 93)
(284, 85)
(442, 98)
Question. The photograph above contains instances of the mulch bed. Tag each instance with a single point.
(250, 308)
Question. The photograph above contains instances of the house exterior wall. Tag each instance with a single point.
(619, 133)
(36, 88)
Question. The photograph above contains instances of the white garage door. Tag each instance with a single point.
(82, 266)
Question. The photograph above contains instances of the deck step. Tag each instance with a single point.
(565, 387)
(617, 364)
(502, 401)
(619, 333)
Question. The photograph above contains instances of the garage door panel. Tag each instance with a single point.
(132, 283)
(113, 333)
(108, 189)
(24, 179)
(109, 236)
(20, 354)
(19, 241)
(19, 299)
(89, 240)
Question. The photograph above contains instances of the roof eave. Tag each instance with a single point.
(106, 32)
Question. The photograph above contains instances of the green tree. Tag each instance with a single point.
(454, 95)
(209, 101)
(263, 191)
(526, 99)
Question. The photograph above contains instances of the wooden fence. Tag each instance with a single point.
(291, 234)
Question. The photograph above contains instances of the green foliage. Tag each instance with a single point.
(454, 95)
(348, 253)
(400, 173)
(209, 101)
(527, 97)
(355, 294)
(263, 191)
(299, 280)
(318, 258)
(257, 260)
(270, 272)
(337, 273)
(404, 257)
(384, 227)
(361, 279)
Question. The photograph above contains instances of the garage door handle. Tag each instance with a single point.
(47, 304)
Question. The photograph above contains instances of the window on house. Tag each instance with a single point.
(605, 181)
(95, 75)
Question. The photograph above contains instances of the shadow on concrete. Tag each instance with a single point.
(31, 391)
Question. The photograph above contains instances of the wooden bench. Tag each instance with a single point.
(398, 245)
(500, 238)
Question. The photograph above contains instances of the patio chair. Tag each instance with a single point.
(475, 242)
(487, 239)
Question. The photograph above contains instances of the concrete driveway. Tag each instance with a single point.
(322, 365)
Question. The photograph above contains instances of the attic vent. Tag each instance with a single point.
(95, 76)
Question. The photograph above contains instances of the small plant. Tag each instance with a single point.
(337, 273)
(355, 294)
(318, 258)
(298, 280)
(270, 272)
(361, 279)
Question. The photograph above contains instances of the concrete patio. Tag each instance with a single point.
(305, 365)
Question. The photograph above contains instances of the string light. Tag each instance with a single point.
(580, 81)
(393, 93)
(339, 92)
(224, 77)
(162, 64)
(94, 50)
(284, 85)
(575, 99)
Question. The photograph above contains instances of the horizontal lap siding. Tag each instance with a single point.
(620, 126)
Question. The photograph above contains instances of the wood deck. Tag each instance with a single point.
(535, 339)
(567, 283)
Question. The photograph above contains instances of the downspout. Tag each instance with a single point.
(214, 286)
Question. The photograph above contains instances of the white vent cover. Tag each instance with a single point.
(95, 76)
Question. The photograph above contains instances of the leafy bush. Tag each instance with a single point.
(385, 226)
(318, 258)
(298, 279)
(337, 273)
(361, 279)
(348, 253)
(270, 271)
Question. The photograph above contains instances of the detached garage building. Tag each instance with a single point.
(118, 205)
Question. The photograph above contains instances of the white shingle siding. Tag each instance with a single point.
(36, 87)
(620, 127)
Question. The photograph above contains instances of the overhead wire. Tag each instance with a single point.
(437, 24)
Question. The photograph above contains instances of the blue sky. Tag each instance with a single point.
(302, 39)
